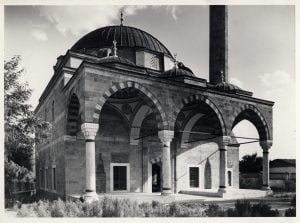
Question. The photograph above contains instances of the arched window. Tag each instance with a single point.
(45, 114)
(52, 111)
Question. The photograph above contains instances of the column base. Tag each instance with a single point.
(166, 192)
(222, 190)
(90, 197)
(266, 188)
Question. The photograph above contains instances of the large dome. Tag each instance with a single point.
(124, 35)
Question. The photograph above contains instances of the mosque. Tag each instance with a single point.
(128, 117)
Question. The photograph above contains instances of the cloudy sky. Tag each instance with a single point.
(261, 50)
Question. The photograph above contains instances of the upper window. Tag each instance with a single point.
(229, 178)
(52, 111)
(45, 114)
(152, 61)
(53, 178)
(46, 175)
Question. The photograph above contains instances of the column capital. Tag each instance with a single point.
(165, 135)
(266, 144)
(225, 140)
(89, 130)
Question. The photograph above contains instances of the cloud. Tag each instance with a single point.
(78, 20)
(39, 34)
(236, 81)
(279, 87)
(173, 9)
(275, 79)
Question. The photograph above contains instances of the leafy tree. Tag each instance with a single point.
(20, 126)
(251, 164)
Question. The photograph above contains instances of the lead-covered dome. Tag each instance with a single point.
(179, 71)
(227, 87)
(124, 35)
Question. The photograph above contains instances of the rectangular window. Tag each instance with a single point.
(46, 175)
(194, 176)
(53, 179)
(40, 178)
(229, 178)
(120, 177)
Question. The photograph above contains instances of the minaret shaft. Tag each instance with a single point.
(218, 44)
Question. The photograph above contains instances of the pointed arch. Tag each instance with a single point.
(252, 114)
(207, 101)
(147, 96)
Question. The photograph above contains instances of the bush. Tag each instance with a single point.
(263, 210)
(293, 201)
(215, 211)
(245, 209)
(26, 211)
(42, 208)
(58, 209)
(291, 212)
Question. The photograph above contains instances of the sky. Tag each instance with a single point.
(261, 50)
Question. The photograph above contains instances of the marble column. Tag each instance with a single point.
(266, 145)
(223, 143)
(89, 131)
(166, 138)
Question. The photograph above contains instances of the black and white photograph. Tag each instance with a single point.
(149, 111)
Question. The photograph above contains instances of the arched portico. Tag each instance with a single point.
(199, 129)
(253, 115)
(150, 105)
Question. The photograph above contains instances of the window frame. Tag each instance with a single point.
(54, 179)
(127, 165)
(189, 174)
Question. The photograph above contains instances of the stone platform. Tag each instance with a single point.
(184, 196)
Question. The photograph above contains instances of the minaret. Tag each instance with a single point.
(218, 44)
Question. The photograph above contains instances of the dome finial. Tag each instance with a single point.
(222, 76)
(175, 60)
(115, 48)
(121, 18)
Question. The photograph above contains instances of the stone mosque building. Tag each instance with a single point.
(128, 117)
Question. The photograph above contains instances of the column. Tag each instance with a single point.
(224, 141)
(166, 138)
(266, 145)
(89, 131)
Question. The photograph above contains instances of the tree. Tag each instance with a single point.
(251, 164)
(20, 126)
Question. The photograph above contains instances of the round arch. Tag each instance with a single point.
(253, 115)
(148, 97)
(201, 98)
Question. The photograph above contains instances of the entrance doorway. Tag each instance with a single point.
(156, 178)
